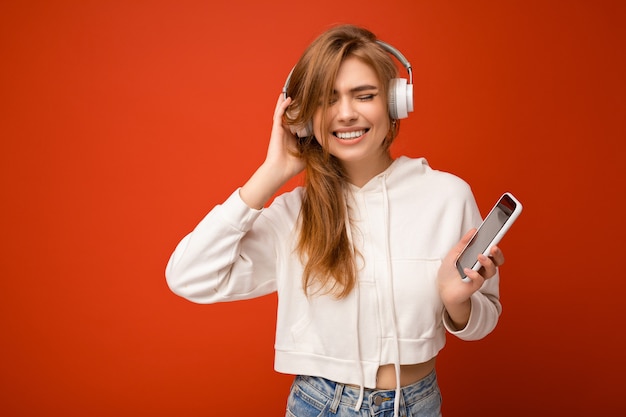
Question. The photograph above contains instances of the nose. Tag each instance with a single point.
(345, 110)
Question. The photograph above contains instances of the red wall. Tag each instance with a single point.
(124, 122)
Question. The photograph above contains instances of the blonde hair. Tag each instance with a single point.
(323, 243)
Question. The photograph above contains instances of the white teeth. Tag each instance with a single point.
(350, 135)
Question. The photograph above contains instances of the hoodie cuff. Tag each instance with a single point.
(482, 320)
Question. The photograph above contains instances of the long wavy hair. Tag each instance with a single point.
(323, 244)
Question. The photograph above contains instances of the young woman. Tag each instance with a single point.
(362, 255)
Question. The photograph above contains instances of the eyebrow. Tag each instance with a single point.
(360, 88)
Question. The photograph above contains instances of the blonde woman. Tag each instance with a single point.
(362, 255)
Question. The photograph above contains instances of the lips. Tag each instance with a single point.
(351, 134)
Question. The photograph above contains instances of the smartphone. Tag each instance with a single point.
(489, 233)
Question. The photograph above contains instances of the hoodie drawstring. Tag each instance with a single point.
(358, 302)
(396, 406)
(396, 340)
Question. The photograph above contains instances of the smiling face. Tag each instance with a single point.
(356, 122)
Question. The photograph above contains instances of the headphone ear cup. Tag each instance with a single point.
(302, 131)
(400, 98)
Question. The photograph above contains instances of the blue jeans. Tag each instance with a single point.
(319, 397)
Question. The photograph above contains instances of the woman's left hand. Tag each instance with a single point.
(454, 292)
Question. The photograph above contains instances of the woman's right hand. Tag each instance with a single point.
(281, 162)
(282, 152)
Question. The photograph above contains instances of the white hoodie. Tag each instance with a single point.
(403, 223)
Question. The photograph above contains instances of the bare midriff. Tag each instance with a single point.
(409, 374)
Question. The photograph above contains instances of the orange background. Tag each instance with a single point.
(124, 122)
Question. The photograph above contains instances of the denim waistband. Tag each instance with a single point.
(373, 399)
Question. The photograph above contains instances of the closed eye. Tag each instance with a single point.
(366, 97)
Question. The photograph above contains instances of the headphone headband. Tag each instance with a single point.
(388, 48)
(398, 55)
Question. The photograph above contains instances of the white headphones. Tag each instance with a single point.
(400, 98)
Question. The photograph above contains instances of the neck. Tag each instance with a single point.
(361, 172)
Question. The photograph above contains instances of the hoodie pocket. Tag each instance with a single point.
(416, 298)
(326, 327)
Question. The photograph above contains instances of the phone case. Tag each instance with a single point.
(506, 201)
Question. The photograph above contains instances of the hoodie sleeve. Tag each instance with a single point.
(486, 309)
(486, 306)
(230, 255)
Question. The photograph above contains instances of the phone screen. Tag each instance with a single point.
(486, 233)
